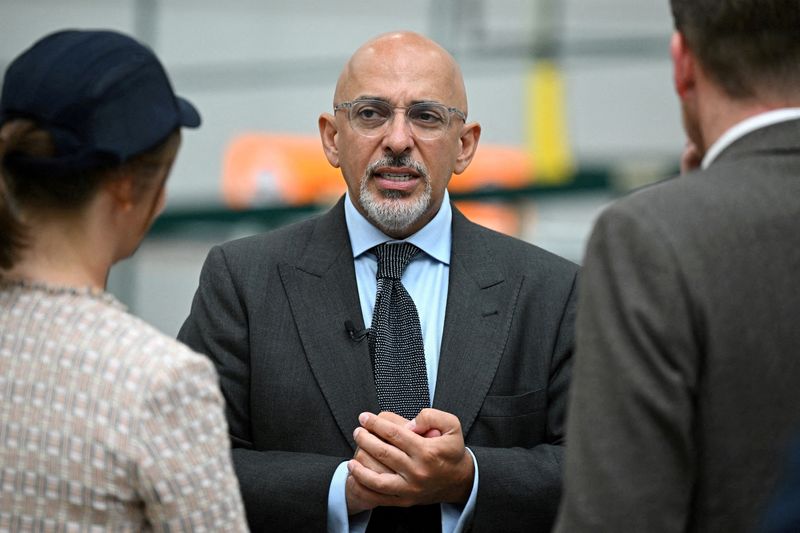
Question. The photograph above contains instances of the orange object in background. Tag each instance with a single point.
(495, 167)
(500, 217)
(263, 169)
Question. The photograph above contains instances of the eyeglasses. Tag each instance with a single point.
(371, 118)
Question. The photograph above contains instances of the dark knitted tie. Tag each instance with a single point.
(395, 339)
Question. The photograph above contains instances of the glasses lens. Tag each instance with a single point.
(428, 121)
(369, 117)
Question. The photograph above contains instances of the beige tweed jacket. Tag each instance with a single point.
(105, 423)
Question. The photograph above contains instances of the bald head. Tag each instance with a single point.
(408, 58)
(399, 131)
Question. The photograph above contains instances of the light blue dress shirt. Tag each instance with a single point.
(426, 280)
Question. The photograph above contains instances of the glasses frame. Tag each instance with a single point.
(348, 106)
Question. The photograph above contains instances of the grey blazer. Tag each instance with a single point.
(270, 312)
(687, 370)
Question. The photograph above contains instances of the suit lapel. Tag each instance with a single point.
(322, 294)
(480, 306)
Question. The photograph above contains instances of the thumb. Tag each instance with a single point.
(428, 424)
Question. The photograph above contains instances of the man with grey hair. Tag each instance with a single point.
(685, 390)
(446, 413)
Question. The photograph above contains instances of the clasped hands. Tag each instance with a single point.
(402, 463)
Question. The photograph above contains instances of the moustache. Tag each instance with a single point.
(401, 161)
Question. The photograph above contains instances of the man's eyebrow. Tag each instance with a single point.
(370, 97)
(386, 100)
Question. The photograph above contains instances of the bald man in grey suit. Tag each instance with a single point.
(686, 384)
(283, 315)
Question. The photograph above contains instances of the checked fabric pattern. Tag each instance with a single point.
(105, 423)
(395, 340)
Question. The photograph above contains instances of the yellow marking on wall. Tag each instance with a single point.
(548, 139)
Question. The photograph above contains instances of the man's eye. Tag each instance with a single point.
(427, 116)
(370, 113)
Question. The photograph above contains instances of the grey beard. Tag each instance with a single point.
(390, 210)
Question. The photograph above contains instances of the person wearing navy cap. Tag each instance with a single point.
(105, 423)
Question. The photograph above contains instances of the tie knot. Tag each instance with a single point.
(393, 258)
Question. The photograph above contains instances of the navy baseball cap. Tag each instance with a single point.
(103, 96)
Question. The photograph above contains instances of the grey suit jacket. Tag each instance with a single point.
(270, 312)
(687, 374)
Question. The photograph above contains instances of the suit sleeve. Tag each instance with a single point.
(283, 491)
(521, 487)
(630, 456)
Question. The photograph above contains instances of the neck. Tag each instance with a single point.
(63, 250)
(721, 112)
(717, 119)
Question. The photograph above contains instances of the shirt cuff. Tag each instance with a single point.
(338, 519)
(457, 518)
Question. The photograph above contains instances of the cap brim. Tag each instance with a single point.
(190, 117)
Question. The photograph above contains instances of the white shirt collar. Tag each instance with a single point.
(746, 126)
(435, 238)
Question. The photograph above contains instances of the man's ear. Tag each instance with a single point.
(329, 133)
(468, 142)
(683, 65)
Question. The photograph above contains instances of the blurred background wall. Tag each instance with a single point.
(581, 87)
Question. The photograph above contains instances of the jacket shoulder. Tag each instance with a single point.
(494, 256)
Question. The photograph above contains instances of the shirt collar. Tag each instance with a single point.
(434, 238)
(746, 126)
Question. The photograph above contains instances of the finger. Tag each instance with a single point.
(359, 498)
(384, 484)
(380, 450)
(370, 462)
(397, 419)
(691, 158)
(399, 437)
(430, 421)
(393, 417)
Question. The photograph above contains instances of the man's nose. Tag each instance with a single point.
(398, 137)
